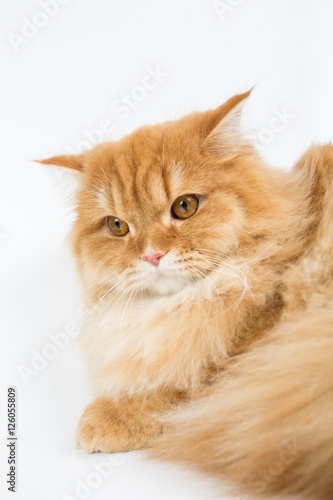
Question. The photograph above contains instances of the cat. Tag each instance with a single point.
(208, 277)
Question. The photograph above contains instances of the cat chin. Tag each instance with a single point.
(163, 284)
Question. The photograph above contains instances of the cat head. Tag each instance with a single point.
(159, 209)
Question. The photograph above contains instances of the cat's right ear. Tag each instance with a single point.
(74, 162)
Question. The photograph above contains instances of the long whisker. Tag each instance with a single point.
(118, 297)
(221, 268)
(218, 260)
(119, 292)
(128, 301)
(105, 280)
(204, 275)
(100, 300)
(236, 303)
(130, 313)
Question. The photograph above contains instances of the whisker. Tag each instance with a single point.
(99, 301)
(242, 276)
(124, 311)
(120, 295)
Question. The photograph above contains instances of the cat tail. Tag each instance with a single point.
(266, 427)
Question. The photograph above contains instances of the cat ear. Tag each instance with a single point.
(226, 135)
(75, 162)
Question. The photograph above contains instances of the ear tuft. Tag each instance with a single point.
(75, 162)
(226, 135)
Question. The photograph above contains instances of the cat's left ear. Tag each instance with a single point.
(74, 162)
(226, 136)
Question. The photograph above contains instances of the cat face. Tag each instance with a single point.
(160, 209)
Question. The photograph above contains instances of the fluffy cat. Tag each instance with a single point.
(208, 275)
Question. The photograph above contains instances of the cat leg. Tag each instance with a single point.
(129, 423)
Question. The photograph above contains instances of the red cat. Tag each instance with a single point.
(210, 277)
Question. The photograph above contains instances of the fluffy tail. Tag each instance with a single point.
(267, 427)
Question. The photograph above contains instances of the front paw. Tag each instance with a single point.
(98, 429)
(110, 428)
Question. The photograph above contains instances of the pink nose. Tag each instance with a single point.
(153, 258)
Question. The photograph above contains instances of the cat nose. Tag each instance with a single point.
(154, 258)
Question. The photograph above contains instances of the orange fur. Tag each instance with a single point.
(228, 342)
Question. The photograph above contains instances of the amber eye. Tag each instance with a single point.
(185, 206)
(116, 226)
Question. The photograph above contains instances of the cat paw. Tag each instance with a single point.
(98, 430)
(106, 427)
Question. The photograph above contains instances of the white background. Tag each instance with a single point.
(56, 87)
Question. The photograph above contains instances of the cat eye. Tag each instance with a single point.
(185, 206)
(116, 226)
